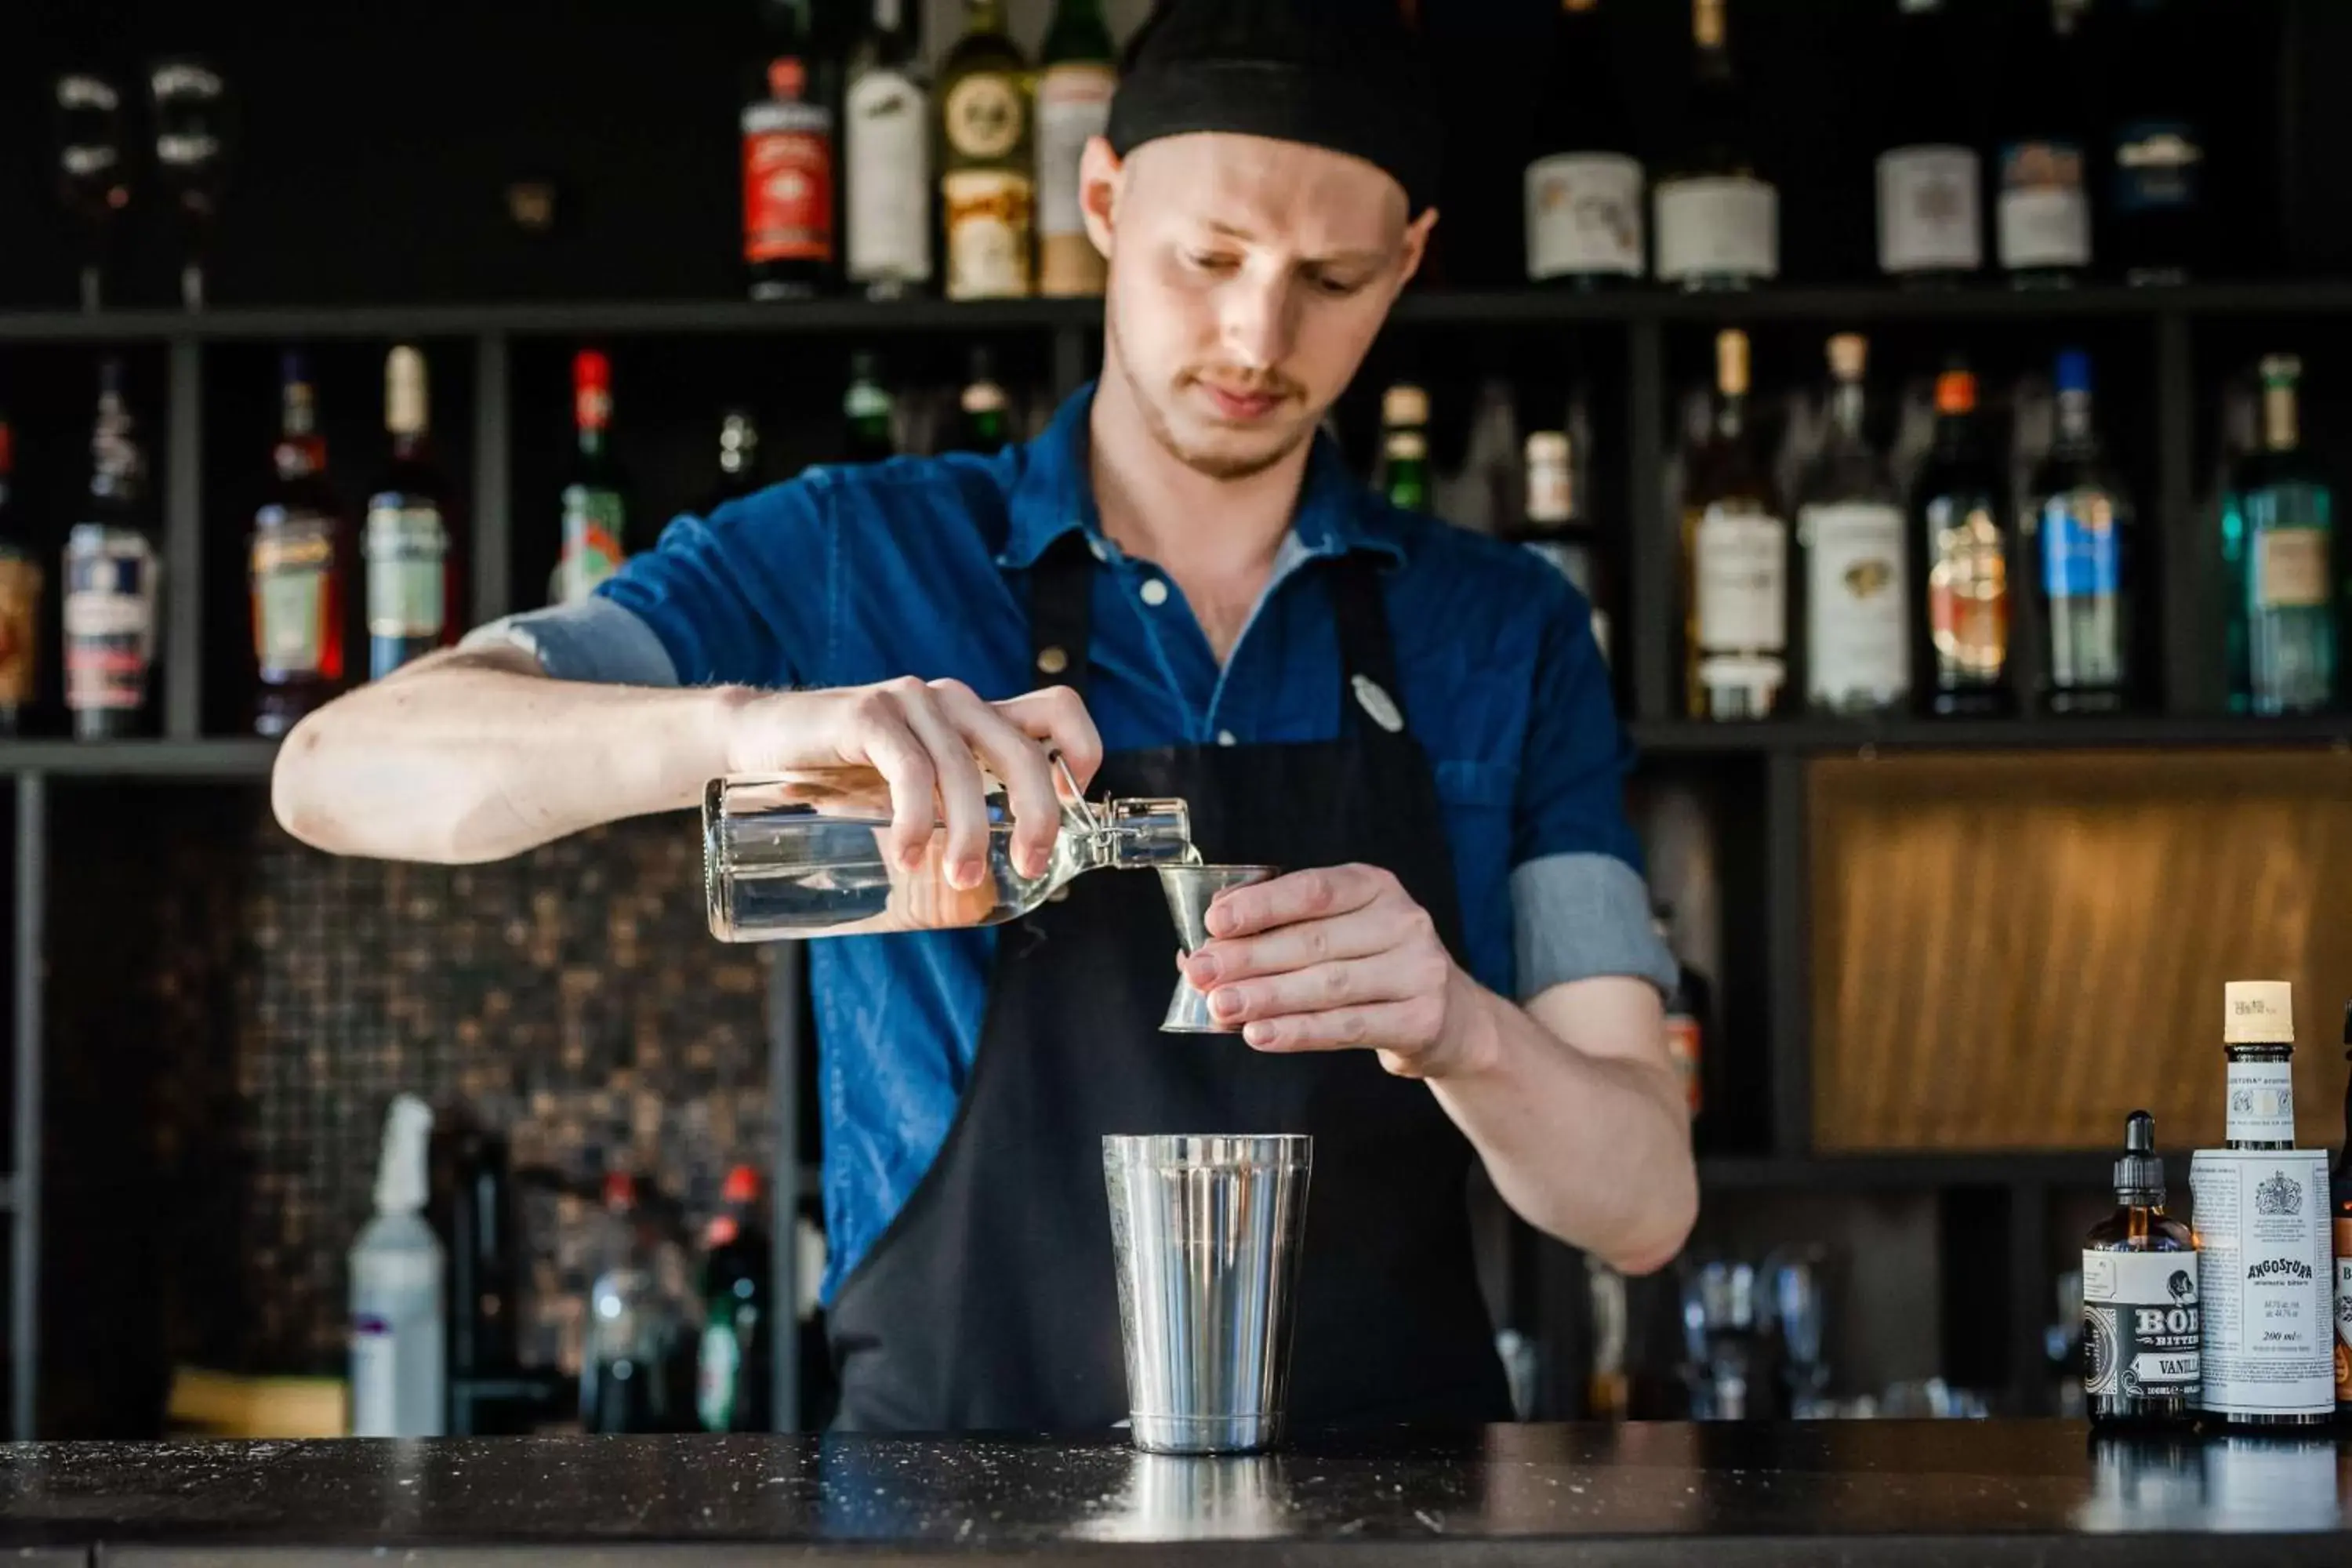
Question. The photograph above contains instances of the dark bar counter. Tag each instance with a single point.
(1916, 1494)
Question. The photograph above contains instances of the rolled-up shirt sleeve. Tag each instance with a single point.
(1579, 906)
(709, 604)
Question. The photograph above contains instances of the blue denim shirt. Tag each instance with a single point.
(919, 565)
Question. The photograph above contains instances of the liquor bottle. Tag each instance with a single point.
(2339, 1205)
(188, 100)
(1735, 550)
(740, 472)
(300, 566)
(1719, 221)
(2081, 523)
(633, 1327)
(787, 129)
(2278, 554)
(410, 540)
(1583, 184)
(1961, 646)
(802, 854)
(20, 604)
(1690, 1011)
(987, 167)
(1404, 447)
(595, 509)
(2141, 1337)
(2266, 1257)
(93, 167)
(486, 1263)
(868, 413)
(2044, 207)
(1074, 90)
(2156, 212)
(887, 135)
(1853, 630)
(733, 1390)
(399, 1301)
(1556, 529)
(1930, 181)
(982, 409)
(112, 581)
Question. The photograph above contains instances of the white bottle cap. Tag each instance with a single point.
(2258, 1013)
(400, 1167)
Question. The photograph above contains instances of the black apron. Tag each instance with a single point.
(990, 1302)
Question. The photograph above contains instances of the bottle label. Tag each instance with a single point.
(405, 547)
(592, 521)
(1584, 215)
(2261, 1102)
(2263, 1281)
(2082, 551)
(375, 1378)
(984, 116)
(787, 181)
(1930, 214)
(1073, 104)
(715, 1375)
(2290, 568)
(889, 179)
(1728, 226)
(20, 620)
(1856, 626)
(2344, 1313)
(1683, 1044)
(110, 619)
(292, 564)
(2141, 1333)
(2156, 166)
(1968, 592)
(1740, 574)
(988, 219)
(2045, 214)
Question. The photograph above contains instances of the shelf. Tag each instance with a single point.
(1476, 307)
(1829, 736)
(241, 758)
(1917, 1173)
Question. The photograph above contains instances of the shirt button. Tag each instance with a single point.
(1225, 737)
(1053, 660)
(1155, 592)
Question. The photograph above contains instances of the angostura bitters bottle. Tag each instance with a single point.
(807, 853)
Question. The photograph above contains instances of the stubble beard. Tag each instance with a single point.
(1209, 465)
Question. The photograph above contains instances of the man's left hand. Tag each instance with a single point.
(1340, 958)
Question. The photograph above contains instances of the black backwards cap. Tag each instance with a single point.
(1343, 74)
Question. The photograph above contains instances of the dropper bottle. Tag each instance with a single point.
(2141, 1347)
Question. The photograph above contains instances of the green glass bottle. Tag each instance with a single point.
(2278, 553)
(987, 162)
(867, 411)
(1404, 447)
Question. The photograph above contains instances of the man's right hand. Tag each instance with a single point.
(928, 740)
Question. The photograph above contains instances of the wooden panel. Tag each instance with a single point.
(2014, 951)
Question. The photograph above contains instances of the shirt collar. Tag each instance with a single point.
(1053, 496)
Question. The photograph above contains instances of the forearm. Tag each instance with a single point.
(476, 756)
(1590, 1147)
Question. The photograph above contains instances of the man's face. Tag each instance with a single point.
(1247, 279)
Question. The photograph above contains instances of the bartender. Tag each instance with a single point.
(1180, 586)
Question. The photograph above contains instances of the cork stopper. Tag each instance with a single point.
(1849, 354)
(1731, 362)
(1404, 404)
(2258, 1013)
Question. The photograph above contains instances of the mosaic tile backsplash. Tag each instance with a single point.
(277, 998)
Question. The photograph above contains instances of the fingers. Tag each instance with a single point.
(1058, 717)
(962, 796)
(880, 732)
(1016, 759)
(1401, 1026)
(1328, 987)
(1298, 896)
(1358, 934)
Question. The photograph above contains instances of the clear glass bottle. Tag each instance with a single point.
(806, 854)
(2278, 548)
(1078, 73)
(1853, 634)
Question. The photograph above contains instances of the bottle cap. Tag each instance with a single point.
(2139, 1170)
(620, 1190)
(1956, 392)
(400, 1166)
(2258, 1013)
(2074, 371)
(2281, 369)
(742, 1185)
(1547, 446)
(1731, 365)
(403, 392)
(1404, 403)
(1849, 356)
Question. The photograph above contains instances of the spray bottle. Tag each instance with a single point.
(398, 1316)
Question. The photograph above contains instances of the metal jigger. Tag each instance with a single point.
(1191, 890)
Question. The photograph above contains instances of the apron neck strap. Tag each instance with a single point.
(1061, 625)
